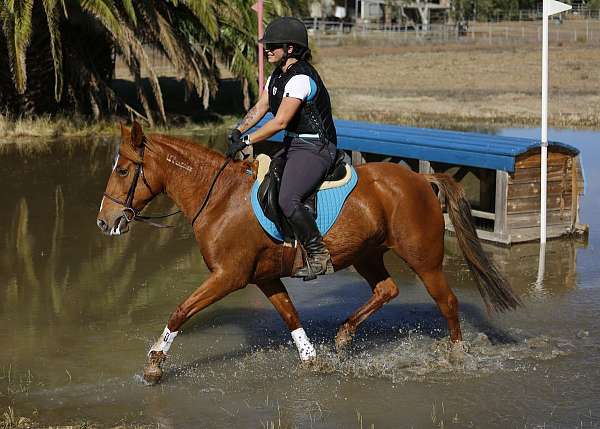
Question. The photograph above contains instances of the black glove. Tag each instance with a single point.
(235, 143)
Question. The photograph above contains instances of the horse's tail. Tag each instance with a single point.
(494, 288)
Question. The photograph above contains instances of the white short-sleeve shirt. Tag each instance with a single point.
(299, 86)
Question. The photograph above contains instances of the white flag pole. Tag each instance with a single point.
(544, 140)
(551, 7)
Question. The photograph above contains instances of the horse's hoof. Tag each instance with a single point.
(309, 362)
(152, 371)
(459, 355)
(343, 339)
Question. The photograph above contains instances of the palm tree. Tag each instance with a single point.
(61, 53)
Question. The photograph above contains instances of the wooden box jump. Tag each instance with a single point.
(501, 175)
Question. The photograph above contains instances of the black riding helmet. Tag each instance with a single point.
(286, 29)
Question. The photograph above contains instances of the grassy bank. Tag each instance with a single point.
(47, 127)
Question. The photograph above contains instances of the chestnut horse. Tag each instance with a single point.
(390, 208)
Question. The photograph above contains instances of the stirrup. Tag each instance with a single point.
(307, 272)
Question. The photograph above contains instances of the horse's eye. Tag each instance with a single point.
(123, 172)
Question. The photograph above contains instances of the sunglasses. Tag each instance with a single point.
(273, 46)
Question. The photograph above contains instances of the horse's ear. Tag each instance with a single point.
(137, 135)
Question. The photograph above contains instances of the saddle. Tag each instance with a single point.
(270, 172)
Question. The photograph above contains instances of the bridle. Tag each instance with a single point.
(131, 213)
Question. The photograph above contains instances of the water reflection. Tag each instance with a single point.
(58, 274)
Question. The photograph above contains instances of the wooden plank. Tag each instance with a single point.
(580, 178)
(482, 234)
(527, 205)
(532, 160)
(521, 235)
(500, 224)
(425, 167)
(404, 164)
(483, 215)
(524, 220)
(555, 173)
(357, 158)
(524, 190)
(551, 167)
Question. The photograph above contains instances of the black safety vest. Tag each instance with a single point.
(314, 116)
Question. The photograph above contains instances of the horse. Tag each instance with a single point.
(391, 207)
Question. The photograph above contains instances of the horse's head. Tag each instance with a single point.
(128, 189)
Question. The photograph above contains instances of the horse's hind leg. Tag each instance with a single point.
(278, 295)
(384, 289)
(437, 286)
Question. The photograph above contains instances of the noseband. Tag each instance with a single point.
(131, 213)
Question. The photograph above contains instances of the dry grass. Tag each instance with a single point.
(46, 127)
(461, 86)
(12, 421)
(49, 127)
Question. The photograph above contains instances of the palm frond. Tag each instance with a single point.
(205, 12)
(16, 20)
(192, 35)
(53, 16)
(130, 11)
(105, 12)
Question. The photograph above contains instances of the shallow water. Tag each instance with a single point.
(80, 310)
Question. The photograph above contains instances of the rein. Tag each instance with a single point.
(131, 213)
(212, 185)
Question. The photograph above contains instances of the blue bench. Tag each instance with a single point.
(450, 147)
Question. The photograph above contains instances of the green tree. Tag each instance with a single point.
(593, 4)
(488, 9)
(59, 55)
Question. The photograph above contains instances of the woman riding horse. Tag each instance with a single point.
(299, 101)
(391, 208)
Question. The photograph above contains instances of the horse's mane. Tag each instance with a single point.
(197, 154)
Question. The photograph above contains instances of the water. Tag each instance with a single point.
(80, 310)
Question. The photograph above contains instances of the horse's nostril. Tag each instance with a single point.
(102, 225)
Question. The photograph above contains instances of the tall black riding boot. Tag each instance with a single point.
(318, 260)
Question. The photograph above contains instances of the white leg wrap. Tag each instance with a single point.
(164, 342)
(305, 348)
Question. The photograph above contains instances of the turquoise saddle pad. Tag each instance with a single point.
(329, 205)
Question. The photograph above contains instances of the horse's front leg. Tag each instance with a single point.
(217, 286)
(278, 295)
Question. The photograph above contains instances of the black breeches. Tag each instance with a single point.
(305, 168)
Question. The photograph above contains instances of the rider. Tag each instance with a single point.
(299, 101)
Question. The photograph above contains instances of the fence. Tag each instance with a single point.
(578, 11)
(580, 31)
